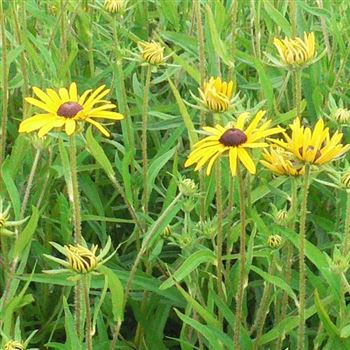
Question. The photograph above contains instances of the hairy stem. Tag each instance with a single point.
(303, 213)
(297, 80)
(88, 312)
(144, 138)
(242, 254)
(346, 241)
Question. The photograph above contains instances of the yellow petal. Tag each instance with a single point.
(246, 160)
(70, 126)
(233, 160)
(73, 92)
(98, 126)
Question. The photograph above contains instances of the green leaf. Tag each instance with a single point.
(185, 115)
(98, 153)
(117, 292)
(72, 339)
(190, 264)
(11, 187)
(26, 235)
(277, 17)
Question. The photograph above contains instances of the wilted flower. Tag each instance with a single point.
(345, 180)
(80, 259)
(313, 146)
(281, 216)
(233, 141)
(166, 233)
(151, 52)
(296, 52)
(115, 6)
(65, 109)
(274, 241)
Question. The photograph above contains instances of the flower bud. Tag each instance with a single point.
(274, 241)
(188, 187)
(14, 345)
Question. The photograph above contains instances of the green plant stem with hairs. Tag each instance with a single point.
(144, 138)
(88, 336)
(303, 214)
(201, 55)
(289, 259)
(297, 82)
(242, 261)
(141, 253)
(5, 92)
(75, 201)
(346, 241)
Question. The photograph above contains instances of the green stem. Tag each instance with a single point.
(29, 184)
(131, 210)
(242, 253)
(201, 55)
(303, 213)
(297, 80)
(293, 17)
(289, 258)
(137, 261)
(77, 223)
(346, 241)
(4, 88)
(219, 236)
(18, 29)
(263, 307)
(144, 138)
(88, 312)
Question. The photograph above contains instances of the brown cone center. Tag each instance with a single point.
(310, 149)
(69, 109)
(233, 137)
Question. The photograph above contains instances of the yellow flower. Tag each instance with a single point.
(66, 108)
(345, 180)
(314, 147)
(81, 259)
(151, 52)
(281, 162)
(114, 6)
(14, 345)
(274, 241)
(233, 141)
(342, 115)
(296, 52)
(216, 95)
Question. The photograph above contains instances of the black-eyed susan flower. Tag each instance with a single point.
(313, 146)
(216, 95)
(5, 223)
(65, 109)
(233, 141)
(115, 6)
(341, 116)
(296, 52)
(14, 345)
(281, 162)
(80, 259)
(274, 241)
(151, 52)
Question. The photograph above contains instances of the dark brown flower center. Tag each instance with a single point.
(233, 137)
(69, 109)
(310, 149)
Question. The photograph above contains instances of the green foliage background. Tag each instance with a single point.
(51, 43)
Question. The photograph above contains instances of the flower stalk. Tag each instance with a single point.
(88, 336)
(242, 255)
(297, 80)
(346, 242)
(144, 138)
(303, 214)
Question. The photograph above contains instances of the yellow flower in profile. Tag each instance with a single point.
(341, 116)
(14, 345)
(65, 109)
(216, 95)
(281, 162)
(151, 52)
(80, 259)
(115, 6)
(233, 141)
(296, 52)
(314, 147)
